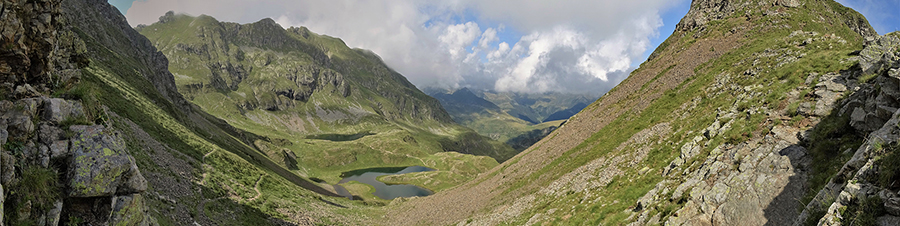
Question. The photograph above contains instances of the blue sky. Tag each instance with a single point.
(583, 46)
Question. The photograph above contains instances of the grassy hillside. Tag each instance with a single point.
(214, 168)
(700, 133)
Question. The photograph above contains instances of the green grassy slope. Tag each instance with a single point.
(656, 111)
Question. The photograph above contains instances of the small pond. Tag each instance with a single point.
(382, 190)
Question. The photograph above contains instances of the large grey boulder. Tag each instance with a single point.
(865, 121)
(58, 110)
(100, 166)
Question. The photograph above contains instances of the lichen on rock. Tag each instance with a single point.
(100, 166)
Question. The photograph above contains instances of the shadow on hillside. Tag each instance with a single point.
(785, 207)
(340, 137)
(813, 161)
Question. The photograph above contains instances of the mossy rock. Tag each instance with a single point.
(100, 166)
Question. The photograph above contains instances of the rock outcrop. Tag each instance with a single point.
(704, 11)
(92, 159)
(863, 186)
(53, 169)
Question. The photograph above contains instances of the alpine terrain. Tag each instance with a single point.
(754, 112)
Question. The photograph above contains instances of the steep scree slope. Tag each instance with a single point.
(734, 120)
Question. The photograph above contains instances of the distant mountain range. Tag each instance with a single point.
(520, 119)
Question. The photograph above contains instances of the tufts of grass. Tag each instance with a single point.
(889, 170)
(819, 211)
(864, 211)
(866, 78)
(37, 188)
(826, 146)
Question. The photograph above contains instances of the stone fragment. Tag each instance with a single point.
(44, 156)
(59, 149)
(54, 214)
(7, 168)
(4, 135)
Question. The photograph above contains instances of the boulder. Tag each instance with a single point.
(20, 126)
(290, 159)
(58, 110)
(48, 134)
(100, 166)
(28, 106)
(26, 91)
(892, 205)
(865, 121)
(789, 3)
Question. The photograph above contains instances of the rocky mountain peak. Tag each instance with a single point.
(703, 12)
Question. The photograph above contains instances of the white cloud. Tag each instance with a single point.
(489, 36)
(574, 46)
(457, 37)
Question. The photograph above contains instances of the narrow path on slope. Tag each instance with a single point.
(256, 188)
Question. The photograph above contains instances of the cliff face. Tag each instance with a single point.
(732, 120)
(118, 35)
(279, 69)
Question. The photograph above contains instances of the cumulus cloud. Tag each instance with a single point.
(575, 46)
